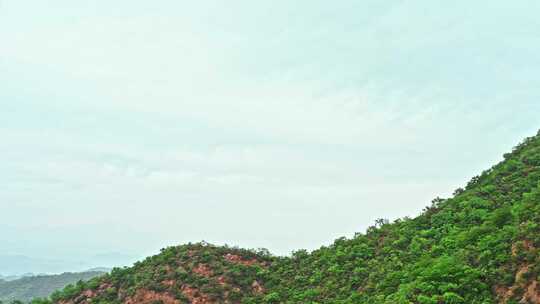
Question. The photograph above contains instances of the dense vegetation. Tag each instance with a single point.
(27, 288)
(478, 247)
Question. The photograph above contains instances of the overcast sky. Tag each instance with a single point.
(128, 126)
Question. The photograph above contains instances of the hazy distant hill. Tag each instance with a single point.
(480, 246)
(13, 265)
(15, 277)
(29, 287)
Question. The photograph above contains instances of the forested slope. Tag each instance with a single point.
(480, 246)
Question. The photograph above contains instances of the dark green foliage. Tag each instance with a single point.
(468, 249)
(457, 251)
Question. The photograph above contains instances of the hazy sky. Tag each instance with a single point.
(128, 126)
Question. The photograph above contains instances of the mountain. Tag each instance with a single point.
(479, 246)
(15, 277)
(29, 287)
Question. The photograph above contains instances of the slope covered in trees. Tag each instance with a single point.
(478, 247)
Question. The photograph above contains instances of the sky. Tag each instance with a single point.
(129, 126)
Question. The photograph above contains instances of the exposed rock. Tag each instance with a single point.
(532, 294)
(144, 296)
(203, 270)
(233, 258)
(195, 296)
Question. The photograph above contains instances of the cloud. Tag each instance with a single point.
(140, 127)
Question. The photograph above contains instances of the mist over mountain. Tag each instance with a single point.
(18, 265)
(15, 277)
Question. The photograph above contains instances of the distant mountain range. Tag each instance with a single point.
(14, 266)
(29, 286)
(15, 277)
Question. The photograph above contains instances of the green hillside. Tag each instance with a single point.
(27, 288)
(478, 247)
